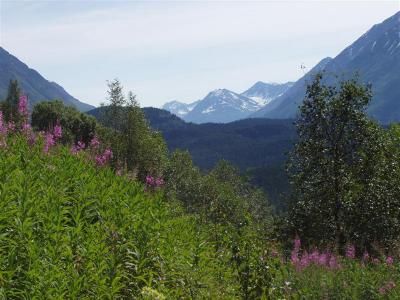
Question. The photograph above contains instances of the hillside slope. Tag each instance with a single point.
(72, 230)
(32, 83)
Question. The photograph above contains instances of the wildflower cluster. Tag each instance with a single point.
(79, 146)
(102, 159)
(154, 183)
(387, 287)
(304, 260)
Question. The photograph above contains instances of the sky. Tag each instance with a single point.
(179, 50)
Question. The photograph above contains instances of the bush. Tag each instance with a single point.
(76, 126)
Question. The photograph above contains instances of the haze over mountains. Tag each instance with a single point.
(32, 83)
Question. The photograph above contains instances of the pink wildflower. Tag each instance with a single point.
(350, 251)
(297, 244)
(305, 260)
(95, 143)
(323, 259)
(31, 139)
(100, 161)
(23, 105)
(159, 182)
(375, 261)
(314, 257)
(3, 128)
(49, 141)
(25, 127)
(333, 264)
(387, 287)
(366, 256)
(57, 132)
(108, 154)
(154, 182)
(80, 145)
(389, 260)
(11, 126)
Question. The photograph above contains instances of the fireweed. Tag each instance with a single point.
(154, 183)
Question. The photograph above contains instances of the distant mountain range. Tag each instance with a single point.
(223, 106)
(32, 83)
(375, 56)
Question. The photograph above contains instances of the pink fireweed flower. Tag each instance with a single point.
(95, 143)
(350, 251)
(305, 260)
(31, 139)
(314, 257)
(159, 182)
(294, 257)
(101, 160)
(23, 105)
(154, 182)
(74, 150)
(26, 127)
(49, 142)
(108, 154)
(80, 145)
(3, 127)
(387, 287)
(11, 126)
(375, 261)
(297, 243)
(323, 259)
(366, 256)
(389, 260)
(57, 131)
(333, 264)
(149, 180)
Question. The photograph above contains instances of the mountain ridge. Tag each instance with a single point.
(32, 83)
(374, 57)
(223, 105)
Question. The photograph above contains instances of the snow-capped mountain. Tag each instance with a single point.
(222, 105)
(179, 109)
(375, 57)
(264, 93)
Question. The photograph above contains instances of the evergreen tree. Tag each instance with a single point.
(10, 106)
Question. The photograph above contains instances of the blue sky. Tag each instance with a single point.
(176, 50)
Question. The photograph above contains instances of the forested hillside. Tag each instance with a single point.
(103, 209)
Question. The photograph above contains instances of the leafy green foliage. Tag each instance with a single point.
(10, 106)
(341, 171)
(76, 126)
(137, 148)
